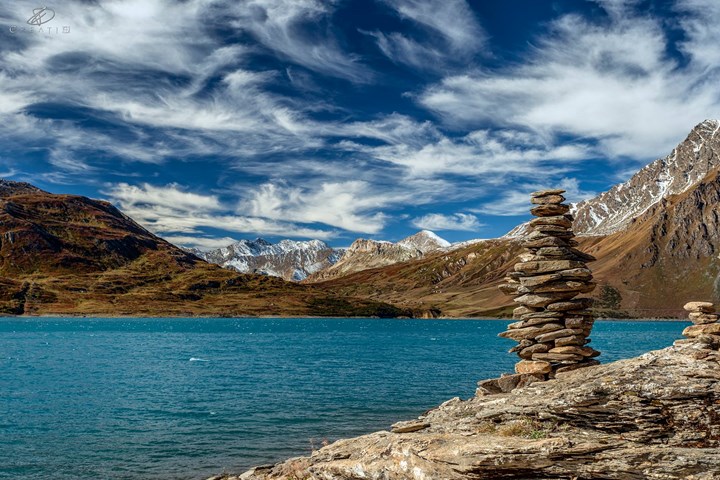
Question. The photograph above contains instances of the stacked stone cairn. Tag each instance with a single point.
(705, 328)
(553, 325)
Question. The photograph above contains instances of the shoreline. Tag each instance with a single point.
(309, 317)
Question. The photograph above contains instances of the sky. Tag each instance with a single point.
(212, 121)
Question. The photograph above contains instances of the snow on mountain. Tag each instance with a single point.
(425, 241)
(289, 259)
(614, 210)
(686, 165)
(364, 254)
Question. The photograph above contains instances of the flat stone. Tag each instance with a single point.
(697, 330)
(550, 210)
(541, 314)
(528, 352)
(520, 311)
(706, 307)
(539, 279)
(711, 340)
(574, 304)
(546, 192)
(557, 357)
(542, 299)
(547, 199)
(546, 241)
(579, 322)
(531, 332)
(523, 344)
(575, 350)
(507, 383)
(576, 340)
(535, 367)
(515, 325)
(558, 220)
(559, 286)
(549, 266)
(579, 273)
(553, 334)
(552, 229)
(409, 426)
(700, 318)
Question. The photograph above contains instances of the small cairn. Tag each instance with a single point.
(705, 328)
(554, 326)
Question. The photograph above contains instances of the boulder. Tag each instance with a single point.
(706, 307)
(535, 367)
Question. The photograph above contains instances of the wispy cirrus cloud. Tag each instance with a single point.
(172, 210)
(456, 221)
(613, 82)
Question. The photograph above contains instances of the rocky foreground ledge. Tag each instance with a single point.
(656, 416)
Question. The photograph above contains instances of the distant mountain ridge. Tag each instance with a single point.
(288, 259)
(365, 254)
(674, 174)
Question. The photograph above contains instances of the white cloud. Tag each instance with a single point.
(171, 209)
(350, 205)
(277, 24)
(455, 221)
(613, 82)
(455, 34)
(202, 243)
(517, 201)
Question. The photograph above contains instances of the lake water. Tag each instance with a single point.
(188, 398)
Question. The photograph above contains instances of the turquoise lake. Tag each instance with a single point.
(189, 398)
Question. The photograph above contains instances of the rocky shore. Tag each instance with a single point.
(656, 416)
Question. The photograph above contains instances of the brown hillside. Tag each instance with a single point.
(66, 254)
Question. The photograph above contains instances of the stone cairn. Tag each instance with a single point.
(706, 329)
(554, 325)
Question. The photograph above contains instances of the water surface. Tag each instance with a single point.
(187, 398)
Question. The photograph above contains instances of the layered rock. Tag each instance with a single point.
(553, 325)
(656, 416)
(705, 329)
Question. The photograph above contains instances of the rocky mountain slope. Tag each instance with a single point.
(656, 416)
(288, 259)
(366, 254)
(686, 165)
(66, 254)
(667, 252)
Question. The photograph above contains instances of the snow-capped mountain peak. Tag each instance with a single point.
(289, 259)
(425, 241)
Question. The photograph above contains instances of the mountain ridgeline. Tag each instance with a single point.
(67, 254)
(656, 238)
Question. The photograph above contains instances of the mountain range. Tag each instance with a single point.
(656, 238)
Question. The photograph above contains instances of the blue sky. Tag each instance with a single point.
(209, 121)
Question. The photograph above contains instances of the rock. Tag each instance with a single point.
(548, 266)
(697, 330)
(550, 210)
(522, 310)
(579, 322)
(410, 426)
(527, 353)
(557, 357)
(545, 241)
(565, 332)
(574, 350)
(507, 383)
(705, 307)
(541, 314)
(529, 366)
(559, 286)
(542, 299)
(523, 344)
(578, 340)
(546, 192)
(574, 304)
(547, 199)
(575, 366)
(559, 220)
(700, 318)
(539, 279)
(531, 332)
(576, 273)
